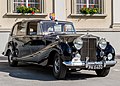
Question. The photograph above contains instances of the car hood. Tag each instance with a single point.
(71, 38)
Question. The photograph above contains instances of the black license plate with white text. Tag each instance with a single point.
(95, 66)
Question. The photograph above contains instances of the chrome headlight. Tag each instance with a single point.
(102, 43)
(78, 43)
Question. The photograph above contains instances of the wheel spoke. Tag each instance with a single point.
(10, 57)
(11, 61)
(57, 65)
(59, 70)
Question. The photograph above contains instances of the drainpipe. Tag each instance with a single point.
(111, 26)
(66, 8)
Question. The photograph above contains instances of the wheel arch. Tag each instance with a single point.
(110, 49)
(51, 56)
(9, 47)
(7, 52)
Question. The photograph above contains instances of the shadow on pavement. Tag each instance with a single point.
(117, 56)
(37, 72)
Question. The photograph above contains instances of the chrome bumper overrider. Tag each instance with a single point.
(86, 64)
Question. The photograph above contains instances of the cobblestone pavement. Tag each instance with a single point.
(34, 75)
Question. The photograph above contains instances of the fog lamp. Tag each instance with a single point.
(110, 56)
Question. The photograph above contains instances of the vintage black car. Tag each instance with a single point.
(56, 43)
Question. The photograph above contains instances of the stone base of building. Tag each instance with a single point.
(116, 25)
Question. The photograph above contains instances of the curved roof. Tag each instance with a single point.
(38, 20)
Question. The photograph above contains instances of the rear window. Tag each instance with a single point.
(32, 28)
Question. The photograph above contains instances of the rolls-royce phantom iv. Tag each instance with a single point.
(56, 43)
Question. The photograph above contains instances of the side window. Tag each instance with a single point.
(32, 28)
(68, 28)
(18, 29)
(21, 29)
(14, 32)
(50, 29)
(58, 28)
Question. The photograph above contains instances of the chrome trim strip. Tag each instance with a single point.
(111, 63)
(83, 64)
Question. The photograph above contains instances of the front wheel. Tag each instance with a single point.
(12, 62)
(102, 72)
(59, 69)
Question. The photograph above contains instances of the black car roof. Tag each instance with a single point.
(35, 20)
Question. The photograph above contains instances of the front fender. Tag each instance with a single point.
(66, 51)
(8, 47)
(109, 49)
(12, 47)
(62, 49)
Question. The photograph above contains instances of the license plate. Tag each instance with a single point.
(95, 66)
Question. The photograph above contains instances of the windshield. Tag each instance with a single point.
(58, 27)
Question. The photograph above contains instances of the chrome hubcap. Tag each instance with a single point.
(57, 65)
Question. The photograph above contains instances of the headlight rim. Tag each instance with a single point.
(100, 43)
(78, 42)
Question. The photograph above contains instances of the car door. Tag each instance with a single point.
(21, 40)
(36, 40)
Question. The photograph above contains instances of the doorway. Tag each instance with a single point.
(59, 8)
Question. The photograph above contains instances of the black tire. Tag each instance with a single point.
(59, 70)
(102, 72)
(11, 62)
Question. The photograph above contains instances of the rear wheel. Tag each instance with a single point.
(12, 62)
(59, 70)
(102, 72)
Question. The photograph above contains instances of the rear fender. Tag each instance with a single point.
(11, 47)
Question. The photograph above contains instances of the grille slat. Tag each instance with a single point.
(89, 49)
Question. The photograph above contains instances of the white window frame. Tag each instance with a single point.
(74, 6)
(11, 6)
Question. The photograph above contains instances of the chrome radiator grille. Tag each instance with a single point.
(89, 49)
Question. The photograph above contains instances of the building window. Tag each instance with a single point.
(78, 4)
(38, 4)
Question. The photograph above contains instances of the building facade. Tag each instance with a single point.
(116, 14)
(63, 9)
(107, 16)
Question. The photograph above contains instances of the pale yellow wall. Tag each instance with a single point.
(8, 20)
(91, 22)
(116, 14)
(79, 22)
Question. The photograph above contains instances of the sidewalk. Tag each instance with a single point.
(117, 56)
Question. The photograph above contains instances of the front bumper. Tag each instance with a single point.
(90, 65)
